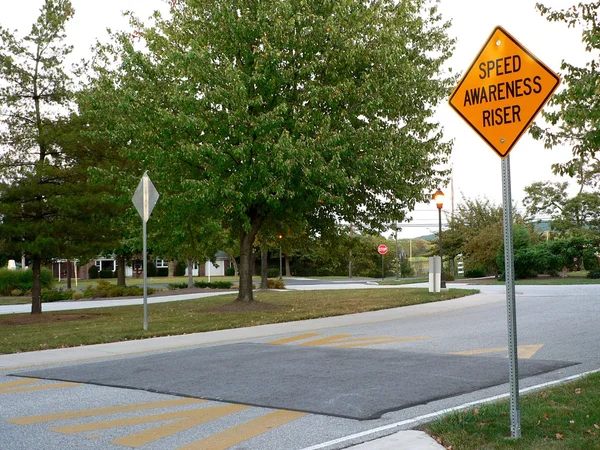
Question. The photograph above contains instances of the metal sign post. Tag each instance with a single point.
(144, 199)
(511, 309)
(499, 96)
(382, 249)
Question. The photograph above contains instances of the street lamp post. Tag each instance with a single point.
(280, 259)
(438, 197)
(397, 267)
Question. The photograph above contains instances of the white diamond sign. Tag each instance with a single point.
(145, 197)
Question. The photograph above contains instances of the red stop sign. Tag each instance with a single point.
(382, 249)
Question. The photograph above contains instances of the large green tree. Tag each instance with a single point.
(577, 215)
(43, 204)
(574, 112)
(285, 110)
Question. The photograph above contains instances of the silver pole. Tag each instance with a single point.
(145, 269)
(515, 413)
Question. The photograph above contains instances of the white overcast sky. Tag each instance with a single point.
(477, 169)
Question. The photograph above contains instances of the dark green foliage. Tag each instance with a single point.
(108, 274)
(590, 259)
(173, 286)
(213, 284)
(593, 274)
(106, 289)
(180, 269)
(52, 295)
(230, 271)
(22, 280)
(406, 269)
(162, 272)
(476, 272)
(449, 276)
(151, 268)
(93, 272)
(273, 272)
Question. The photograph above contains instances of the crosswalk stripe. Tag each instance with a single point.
(104, 411)
(193, 419)
(43, 387)
(240, 433)
(293, 339)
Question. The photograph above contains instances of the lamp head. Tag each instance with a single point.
(438, 198)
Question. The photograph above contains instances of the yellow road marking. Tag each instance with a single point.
(293, 339)
(381, 341)
(103, 411)
(43, 387)
(523, 351)
(191, 419)
(20, 382)
(325, 341)
(527, 351)
(240, 433)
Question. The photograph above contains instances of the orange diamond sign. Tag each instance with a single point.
(503, 90)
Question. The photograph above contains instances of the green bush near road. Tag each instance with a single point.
(105, 289)
(21, 280)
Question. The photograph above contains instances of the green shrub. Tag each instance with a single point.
(77, 295)
(221, 284)
(590, 260)
(449, 276)
(162, 272)
(476, 272)
(107, 274)
(213, 285)
(177, 286)
(406, 268)
(594, 274)
(230, 271)
(51, 295)
(22, 280)
(106, 289)
(16, 293)
(93, 272)
(273, 272)
(180, 269)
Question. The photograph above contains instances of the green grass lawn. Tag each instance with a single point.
(92, 326)
(561, 417)
(140, 281)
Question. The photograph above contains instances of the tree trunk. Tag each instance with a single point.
(120, 270)
(246, 293)
(264, 269)
(235, 265)
(69, 274)
(288, 272)
(190, 273)
(172, 267)
(36, 290)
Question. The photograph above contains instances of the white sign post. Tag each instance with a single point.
(144, 199)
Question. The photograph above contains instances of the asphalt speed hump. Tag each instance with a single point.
(502, 91)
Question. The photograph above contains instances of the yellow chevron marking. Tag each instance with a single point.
(190, 419)
(293, 339)
(376, 341)
(240, 433)
(523, 351)
(103, 411)
(42, 387)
